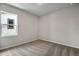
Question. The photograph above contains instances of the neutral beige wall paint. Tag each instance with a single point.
(61, 27)
(28, 24)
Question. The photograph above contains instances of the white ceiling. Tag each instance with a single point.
(40, 9)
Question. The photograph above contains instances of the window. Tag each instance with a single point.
(10, 24)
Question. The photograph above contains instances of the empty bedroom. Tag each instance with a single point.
(39, 29)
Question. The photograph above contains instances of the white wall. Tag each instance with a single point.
(61, 27)
(28, 24)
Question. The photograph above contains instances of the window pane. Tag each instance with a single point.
(10, 27)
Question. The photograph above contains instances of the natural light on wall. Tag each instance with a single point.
(9, 24)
